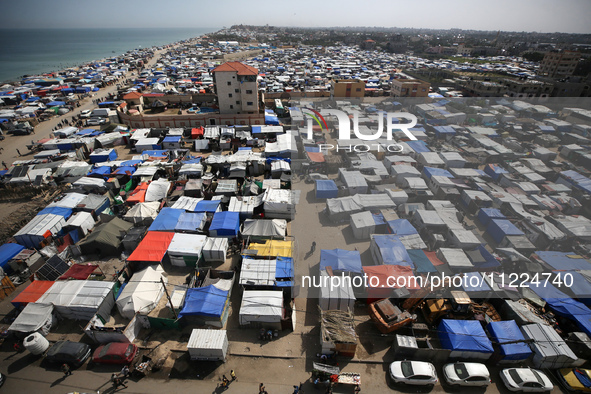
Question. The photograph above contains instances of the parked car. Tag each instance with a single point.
(526, 380)
(85, 114)
(67, 352)
(413, 372)
(2, 379)
(95, 121)
(466, 374)
(575, 379)
(115, 353)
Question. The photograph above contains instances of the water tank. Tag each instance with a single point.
(36, 343)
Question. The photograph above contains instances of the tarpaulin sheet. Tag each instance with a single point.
(476, 284)
(464, 335)
(421, 261)
(564, 261)
(508, 331)
(225, 224)
(102, 171)
(498, 229)
(341, 260)
(8, 251)
(189, 221)
(61, 211)
(326, 189)
(204, 301)
(166, 220)
(284, 268)
(580, 286)
(418, 146)
(486, 214)
(561, 303)
(402, 227)
(79, 271)
(432, 256)
(430, 171)
(393, 251)
(316, 157)
(138, 194)
(153, 247)
(197, 132)
(482, 258)
(129, 170)
(383, 272)
(207, 206)
(272, 248)
(32, 293)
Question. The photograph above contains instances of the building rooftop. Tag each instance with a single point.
(240, 68)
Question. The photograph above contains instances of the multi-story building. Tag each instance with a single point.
(477, 88)
(527, 88)
(559, 64)
(347, 88)
(236, 88)
(410, 88)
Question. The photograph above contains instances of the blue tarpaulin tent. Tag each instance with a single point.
(204, 301)
(7, 252)
(225, 224)
(189, 221)
(326, 189)
(166, 219)
(100, 172)
(430, 171)
(393, 251)
(284, 268)
(498, 229)
(486, 214)
(421, 261)
(56, 104)
(129, 170)
(494, 171)
(341, 260)
(473, 282)
(580, 286)
(418, 146)
(508, 331)
(402, 227)
(61, 211)
(561, 303)
(207, 206)
(444, 131)
(464, 338)
(481, 258)
(564, 261)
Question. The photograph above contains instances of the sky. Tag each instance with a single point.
(568, 16)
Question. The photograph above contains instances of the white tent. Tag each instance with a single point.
(80, 299)
(362, 224)
(82, 220)
(186, 203)
(215, 250)
(185, 249)
(279, 203)
(261, 307)
(142, 293)
(143, 213)
(35, 231)
(258, 272)
(335, 297)
(157, 190)
(34, 317)
(260, 228)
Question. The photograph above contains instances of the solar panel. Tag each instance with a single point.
(52, 269)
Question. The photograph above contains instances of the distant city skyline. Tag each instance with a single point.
(545, 16)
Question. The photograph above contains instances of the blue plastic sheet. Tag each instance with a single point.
(166, 219)
(464, 335)
(341, 260)
(393, 251)
(508, 331)
(204, 301)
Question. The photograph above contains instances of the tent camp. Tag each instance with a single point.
(34, 318)
(225, 224)
(465, 338)
(206, 305)
(261, 308)
(264, 229)
(142, 292)
(106, 238)
(143, 214)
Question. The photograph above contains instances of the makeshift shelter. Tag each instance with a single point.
(264, 229)
(184, 250)
(166, 220)
(191, 222)
(7, 252)
(152, 248)
(31, 293)
(206, 306)
(82, 221)
(79, 271)
(388, 249)
(208, 206)
(498, 229)
(564, 260)
(261, 308)
(142, 293)
(215, 250)
(482, 259)
(106, 238)
(138, 194)
(550, 350)
(362, 225)
(421, 262)
(339, 297)
(337, 333)
(40, 228)
(465, 338)
(210, 345)
(384, 279)
(157, 190)
(510, 340)
(277, 272)
(271, 248)
(142, 214)
(225, 224)
(485, 215)
(341, 260)
(35, 317)
(326, 189)
(279, 203)
(455, 258)
(81, 299)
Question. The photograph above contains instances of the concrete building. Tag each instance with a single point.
(527, 88)
(347, 88)
(477, 88)
(236, 88)
(559, 64)
(410, 88)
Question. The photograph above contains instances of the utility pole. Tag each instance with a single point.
(167, 296)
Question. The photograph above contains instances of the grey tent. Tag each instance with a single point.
(262, 228)
(106, 238)
(35, 317)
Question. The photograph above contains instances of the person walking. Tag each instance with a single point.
(66, 370)
(19, 152)
(118, 382)
(124, 372)
(262, 388)
(232, 375)
(313, 247)
(5, 165)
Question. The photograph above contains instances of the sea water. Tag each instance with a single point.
(35, 51)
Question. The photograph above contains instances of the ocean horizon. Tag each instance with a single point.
(37, 51)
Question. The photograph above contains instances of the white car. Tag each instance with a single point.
(95, 121)
(419, 373)
(466, 374)
(85, 114)
(526, 379)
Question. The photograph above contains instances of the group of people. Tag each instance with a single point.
(226, 381)
(119, 380)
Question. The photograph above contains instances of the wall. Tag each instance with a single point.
(196, 120)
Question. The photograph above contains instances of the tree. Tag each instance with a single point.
(533, 56)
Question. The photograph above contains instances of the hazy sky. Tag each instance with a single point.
(570, 16)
